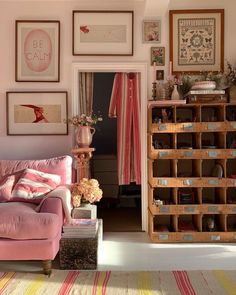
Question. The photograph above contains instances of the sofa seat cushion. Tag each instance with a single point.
(20, 221)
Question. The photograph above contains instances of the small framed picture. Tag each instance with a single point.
(37, 113)
(160, 75)
(37, 51)
(158, 56)
(151, 31)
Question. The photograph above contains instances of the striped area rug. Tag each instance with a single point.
(63, 282)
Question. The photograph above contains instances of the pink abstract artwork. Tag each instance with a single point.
(38, 50)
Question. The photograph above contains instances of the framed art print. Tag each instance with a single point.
(160, 75)
(158, 56)
(151, 31)
(37, 50)
(197, 40)
(102, 32)
(37, 113)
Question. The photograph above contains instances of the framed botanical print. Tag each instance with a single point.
(158, 56)
(37, 51)
(37, 113)
(151, 31)
(102, 32)
(197, 40)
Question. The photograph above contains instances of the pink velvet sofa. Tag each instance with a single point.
(29, 230)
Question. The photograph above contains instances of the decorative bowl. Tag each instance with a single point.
(204, 85)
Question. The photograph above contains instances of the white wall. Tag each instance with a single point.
(20, 147)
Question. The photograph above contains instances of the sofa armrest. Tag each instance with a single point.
(53, 205)
(64, 194)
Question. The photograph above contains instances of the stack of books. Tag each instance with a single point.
(204, 95)
(80, 228)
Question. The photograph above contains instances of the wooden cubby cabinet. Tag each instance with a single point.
(192, 172)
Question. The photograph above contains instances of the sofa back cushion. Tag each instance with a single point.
(61, 166)
(6, 186)
(35, 184)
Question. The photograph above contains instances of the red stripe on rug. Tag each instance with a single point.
(183, 282)
(68, 282)
(104, 286)
(95, 284)
(7, 282)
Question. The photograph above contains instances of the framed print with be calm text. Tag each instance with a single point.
(37, 51)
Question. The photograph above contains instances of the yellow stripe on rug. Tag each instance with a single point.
(35, 285)
(225, 282)
(5, 280)
(144, 283)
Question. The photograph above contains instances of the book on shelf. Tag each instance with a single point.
(206, 91)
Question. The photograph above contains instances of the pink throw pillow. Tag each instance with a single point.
(35, 184)
(6, 186)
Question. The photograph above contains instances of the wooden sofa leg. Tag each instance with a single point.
(47, 267)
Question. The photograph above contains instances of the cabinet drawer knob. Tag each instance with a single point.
(212, 154)
(188, 126)
(188, 182)
(162, 127)
(163, 182)
(211, 126)
(187, 237)
(163, 237)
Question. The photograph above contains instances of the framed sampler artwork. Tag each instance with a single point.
(102, 32)
(151, 31)
(37, 51)
(158, 56)
(37, 113)
(197, 40)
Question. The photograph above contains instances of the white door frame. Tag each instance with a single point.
(140, 67)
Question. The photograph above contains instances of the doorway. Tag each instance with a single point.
(121, 67)
(120, 207)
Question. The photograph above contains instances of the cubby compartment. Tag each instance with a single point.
(231, 168)
(188, 168)
(188, 196)
(167, 196)
(163, 115)
(187, 141)
(187, 114)
(189, 223)
(213, 195)
(231, 140)
(231, 195)
(213, 223)
(163, 168)
(212, 114)
(163, 141)
(213, 168)
(164, 223)
(231, 113)
(213, 140)
(231, 222)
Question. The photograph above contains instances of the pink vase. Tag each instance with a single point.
(84, 136)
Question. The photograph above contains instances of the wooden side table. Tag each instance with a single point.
(83, 156)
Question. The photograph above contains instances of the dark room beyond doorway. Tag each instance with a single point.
(120, 207)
